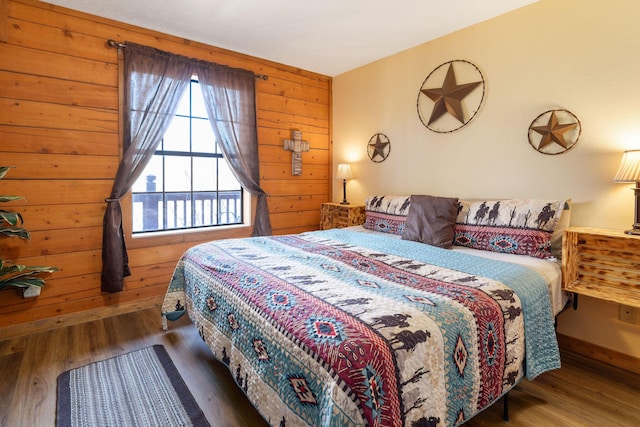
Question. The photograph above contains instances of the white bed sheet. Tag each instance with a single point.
(549, 269)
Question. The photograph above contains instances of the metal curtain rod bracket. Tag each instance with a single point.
(115, 44)
(119, 45)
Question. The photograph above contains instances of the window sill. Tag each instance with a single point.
(194, 236)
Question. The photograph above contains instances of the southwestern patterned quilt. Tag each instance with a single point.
(340, 328)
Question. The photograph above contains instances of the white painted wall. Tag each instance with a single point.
(583, 56)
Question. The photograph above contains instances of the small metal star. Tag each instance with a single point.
(448, 98)
(378, 148)
(553, 132)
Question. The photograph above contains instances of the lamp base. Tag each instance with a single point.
(344, 192)
(635, 231)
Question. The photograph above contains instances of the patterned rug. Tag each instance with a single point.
(141, 388)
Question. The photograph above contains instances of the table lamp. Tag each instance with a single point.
(629, 171)
(344, 173)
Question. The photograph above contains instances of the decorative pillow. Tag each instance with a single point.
(522, 227)
(431, 220)
(558, 233)
(386, 214)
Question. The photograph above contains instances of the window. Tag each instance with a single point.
(187, 183)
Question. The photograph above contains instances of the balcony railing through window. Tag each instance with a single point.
(178, 210)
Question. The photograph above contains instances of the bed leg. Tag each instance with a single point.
(164, 323)
(505, 407)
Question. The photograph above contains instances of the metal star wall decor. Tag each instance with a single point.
(379, 147)
(444, 105)
(554, 132)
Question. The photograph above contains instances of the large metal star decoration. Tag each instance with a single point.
(553, 132)
(378, 148)
(448, 98)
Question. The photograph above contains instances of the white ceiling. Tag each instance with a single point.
(325, 36)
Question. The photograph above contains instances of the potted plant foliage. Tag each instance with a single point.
(20, 277)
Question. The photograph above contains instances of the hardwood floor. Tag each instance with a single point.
(583, 393)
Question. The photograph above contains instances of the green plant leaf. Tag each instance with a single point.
(22, 275)
(9, 268)
(10, 198)
(16, 275)
(30, 270)
(15, 232)
(34, 269)
(4, 170)
(11, 218)
(21, 282)
(5, 266)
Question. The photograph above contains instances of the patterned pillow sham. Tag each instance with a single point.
(558, 233)
(386, 213)
(515, 226)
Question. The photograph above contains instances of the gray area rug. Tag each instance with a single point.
(141, 388)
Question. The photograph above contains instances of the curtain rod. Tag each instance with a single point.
(119, 45)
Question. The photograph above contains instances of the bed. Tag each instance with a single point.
(375, 326)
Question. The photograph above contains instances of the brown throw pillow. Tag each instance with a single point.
(431, 220)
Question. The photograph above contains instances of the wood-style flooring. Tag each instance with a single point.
(583, 392)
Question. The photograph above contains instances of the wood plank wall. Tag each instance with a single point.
(59, 125)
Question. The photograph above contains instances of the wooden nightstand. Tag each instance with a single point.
(336, 215)
(602, 264)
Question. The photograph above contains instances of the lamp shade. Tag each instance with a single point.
(344, 171)
(629, 170)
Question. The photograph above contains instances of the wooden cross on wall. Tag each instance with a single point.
(297, 145)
